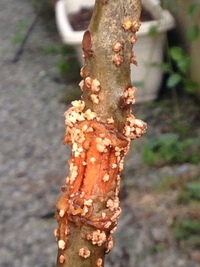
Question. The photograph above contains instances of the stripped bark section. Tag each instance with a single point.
(91, 193)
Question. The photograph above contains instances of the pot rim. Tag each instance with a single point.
(164, 21)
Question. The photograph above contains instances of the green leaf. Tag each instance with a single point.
(153, 31)
(139, 83)
(63, 66)
(193, 33)
(194, 189)
(184, 64)
(193, 227)
(191, 86)
(165, 67)
(173, 80)
(192, 9)
(163, 150)
(176, 53)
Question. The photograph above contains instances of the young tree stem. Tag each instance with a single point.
(99, 129)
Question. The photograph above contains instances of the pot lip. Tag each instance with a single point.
(164, 22)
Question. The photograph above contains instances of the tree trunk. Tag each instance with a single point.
(99, 128)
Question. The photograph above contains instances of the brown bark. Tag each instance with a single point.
(99, 128)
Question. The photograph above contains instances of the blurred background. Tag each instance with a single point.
(160, 194)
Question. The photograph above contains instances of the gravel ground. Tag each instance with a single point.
(33, 163)
(32, 159)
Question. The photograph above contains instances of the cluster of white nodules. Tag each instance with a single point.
(134, 128)
(80, 210)
(84, 252)
(62, 259)
(102, 143)
(129, 95)
(94, 86)
(73, 174)
(119, 153)
(55, 232)
(109, 244)
(133, 59)
(113, 204)
(117, 57)
(61, 244)
(97, 237)
(87, 204)
(75, 114)
(106, 177)
(99, 262)
(128, 24)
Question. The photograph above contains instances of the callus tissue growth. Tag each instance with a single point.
(91, 193)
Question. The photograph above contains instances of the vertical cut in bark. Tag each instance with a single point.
(99, 128)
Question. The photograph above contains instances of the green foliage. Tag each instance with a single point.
(62, 50)
(190, 193)
(194, 31)
(179, 72)
(187, 232)
(187, 185)
(192, 9)
(169, 149)
(192, 14)
(168, 183)
(153, 31)
(173, 80)
(157, 248)
(52, 50)
(18, 38)
(68, 68)
(20, 31)
(178, 62)
(183, 61)
(186, 227)
(68, 65)
(157, 151)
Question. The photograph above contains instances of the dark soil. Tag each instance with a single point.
(80, 20)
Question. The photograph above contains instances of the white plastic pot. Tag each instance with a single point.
(148, 49)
